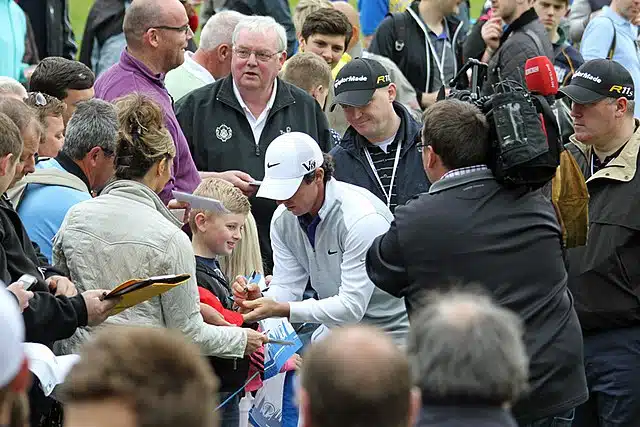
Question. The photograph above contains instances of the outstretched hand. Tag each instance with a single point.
(263, 308)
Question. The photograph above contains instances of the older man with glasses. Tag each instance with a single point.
(230, 123)
(157, 34)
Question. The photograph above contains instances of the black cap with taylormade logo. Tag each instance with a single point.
(598, 79)
(357, 81)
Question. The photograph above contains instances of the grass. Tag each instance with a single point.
(79, 9)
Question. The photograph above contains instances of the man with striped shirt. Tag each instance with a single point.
(378, 151)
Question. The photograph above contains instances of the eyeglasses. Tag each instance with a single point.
(420, 146)
(186, 29)
(261, 55)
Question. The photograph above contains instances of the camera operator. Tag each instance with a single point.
(470, 229)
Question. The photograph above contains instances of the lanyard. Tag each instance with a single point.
(434, 53)
(393, 172)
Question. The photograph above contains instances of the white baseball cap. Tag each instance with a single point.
(11, 336)
(288, 159)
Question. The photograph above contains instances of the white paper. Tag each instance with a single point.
(197, 202)
(50, 369)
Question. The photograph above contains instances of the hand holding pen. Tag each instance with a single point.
(243, 290)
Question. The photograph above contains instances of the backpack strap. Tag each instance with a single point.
(532, 34)
(49, 176)
(400, 26)
(612, 46)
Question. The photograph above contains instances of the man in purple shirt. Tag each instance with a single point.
(157, 32)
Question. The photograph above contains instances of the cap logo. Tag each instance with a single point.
(587, 76)
(309, 165)
(383, 79)
(350, 79)
(622, 90)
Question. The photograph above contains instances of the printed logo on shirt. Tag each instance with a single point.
(224, 133)
(330, 252)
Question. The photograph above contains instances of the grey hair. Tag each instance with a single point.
(465, 348)
(10, 86)
(219, 29)
(93, 124)
(261, 25)
(631, 106)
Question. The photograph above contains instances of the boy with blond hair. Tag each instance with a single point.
(215, 235)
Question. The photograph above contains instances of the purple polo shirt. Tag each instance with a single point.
(131, 75)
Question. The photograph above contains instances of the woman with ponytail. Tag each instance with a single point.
(127, 232)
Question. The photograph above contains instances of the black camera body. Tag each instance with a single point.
(524, 133)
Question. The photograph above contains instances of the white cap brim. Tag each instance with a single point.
(279, 189)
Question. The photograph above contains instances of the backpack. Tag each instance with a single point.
(49, 176)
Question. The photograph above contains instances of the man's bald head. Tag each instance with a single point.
(352, 14)
(144, 14)
(356, 376)
(354, 19)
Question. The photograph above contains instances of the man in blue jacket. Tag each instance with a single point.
(378, 151)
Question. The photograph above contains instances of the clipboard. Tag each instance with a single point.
(136, 291)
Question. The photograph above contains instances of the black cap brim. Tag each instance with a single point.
(353, 98)
(580, 95)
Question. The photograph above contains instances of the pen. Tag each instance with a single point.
(253, 276)
(280, 342)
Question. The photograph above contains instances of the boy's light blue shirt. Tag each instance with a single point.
(13, 22)
(44, 207)
(597, 39)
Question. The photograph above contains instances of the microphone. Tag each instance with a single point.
(540, 76)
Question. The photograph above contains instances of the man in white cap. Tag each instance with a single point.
(14, 371)
(320, 232)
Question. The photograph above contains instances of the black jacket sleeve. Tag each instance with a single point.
(184, 114)
(474, 45)
(70, 47)
(279, 10)
(49, 318)
(384, 263)
(325, 138)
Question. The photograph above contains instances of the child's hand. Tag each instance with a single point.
(243, 291)
(297, 360)
(212, 317)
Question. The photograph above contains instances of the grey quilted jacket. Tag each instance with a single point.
(127, 232)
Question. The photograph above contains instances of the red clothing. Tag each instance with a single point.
(207, 297)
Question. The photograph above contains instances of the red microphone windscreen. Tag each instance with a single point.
(541, 76)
